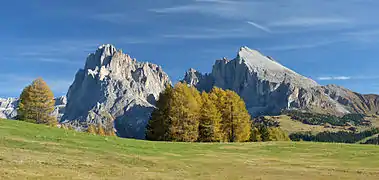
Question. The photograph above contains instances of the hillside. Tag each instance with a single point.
(35, 151)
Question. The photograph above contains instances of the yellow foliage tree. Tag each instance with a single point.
(91, 129)
(209, 121)
(184, 114)
(235, 123)
(100, 130)
(37, 103)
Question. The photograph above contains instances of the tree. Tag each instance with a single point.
(37, 103)
(255, 136)
(184, 114)
(158, 126)
(108, 121)
(209, 121)
(91, 129)
(235, 123)
(100, 130)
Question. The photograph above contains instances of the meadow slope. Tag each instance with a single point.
(38, 152)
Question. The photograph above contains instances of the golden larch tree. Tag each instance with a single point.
(37, 103)
(184, 114)
(209, 120)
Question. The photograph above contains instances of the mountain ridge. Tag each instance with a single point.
(269, 87)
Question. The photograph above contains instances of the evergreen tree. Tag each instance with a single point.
(255, 136)
(37, 103)
(158, 126)
(265, 134)
(209, 121)
(184, 114)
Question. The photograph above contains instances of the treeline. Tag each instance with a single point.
(337, 137)
(374, 140)
(184, 114)
(322, 119)
(261, 133)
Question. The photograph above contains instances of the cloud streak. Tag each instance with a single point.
(263, 28)
(310, 21)
(304, 46)
(329, 78)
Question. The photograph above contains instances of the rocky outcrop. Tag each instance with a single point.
(112, 84)
(268, 87)
(8, 107)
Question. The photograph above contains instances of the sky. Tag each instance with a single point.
(332, 42)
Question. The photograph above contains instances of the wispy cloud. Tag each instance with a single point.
(329, 78)
(304, 46)
(263, 28)
(362, 77)
(289, 14)
(210, 33)
(310, 21)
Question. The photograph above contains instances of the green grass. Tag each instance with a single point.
(292, 126)
(29, 151)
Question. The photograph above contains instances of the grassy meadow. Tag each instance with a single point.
(29, 151)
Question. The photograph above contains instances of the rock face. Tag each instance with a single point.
(268, 87)
(112, 84)
(8, 107)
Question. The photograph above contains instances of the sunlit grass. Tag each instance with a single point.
(39, 152)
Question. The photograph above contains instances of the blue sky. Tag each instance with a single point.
(333, 42)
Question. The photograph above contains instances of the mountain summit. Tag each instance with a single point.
(269, 87)
(112, 85)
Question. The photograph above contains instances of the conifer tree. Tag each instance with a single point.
(37, 103)
(184, 114)
(91, 129)
(255, 136)
(235, 124)
(108, 120)
(158, 126)
(209, 121)
(100, 130)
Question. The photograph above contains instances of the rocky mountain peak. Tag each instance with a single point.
(266, 86)
(101, 57)
(112, 84)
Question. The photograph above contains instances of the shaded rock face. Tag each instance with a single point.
(8, 107)
(113, 83)
(268, 87)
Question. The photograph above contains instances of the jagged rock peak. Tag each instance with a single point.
(192, 76)
(101, 56)
(112, 84)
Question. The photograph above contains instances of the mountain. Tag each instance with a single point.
(113, 85)
(8, 107)
(268, 87)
